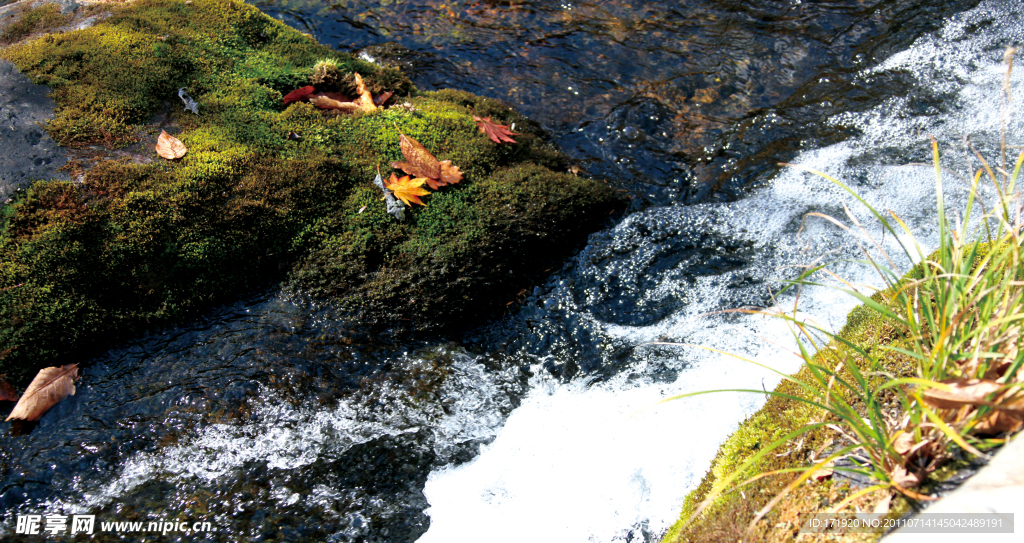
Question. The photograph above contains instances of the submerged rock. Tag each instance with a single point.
(265, 192)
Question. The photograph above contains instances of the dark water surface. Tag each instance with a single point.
(674, 101)
(279, 423)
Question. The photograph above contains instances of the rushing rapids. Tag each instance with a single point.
(276, 423)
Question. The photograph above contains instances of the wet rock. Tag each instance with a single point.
(28, 151)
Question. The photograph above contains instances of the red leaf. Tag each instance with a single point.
(381, 98)
(499, 133)
(298, 95)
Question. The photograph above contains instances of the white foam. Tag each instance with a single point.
(602, 462)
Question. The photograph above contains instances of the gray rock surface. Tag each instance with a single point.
(27, 152)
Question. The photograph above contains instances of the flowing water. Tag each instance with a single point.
(276, 422)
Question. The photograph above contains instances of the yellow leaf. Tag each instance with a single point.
(408, 189)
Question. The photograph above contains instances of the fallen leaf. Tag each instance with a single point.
(499, 133)
(962, 392)
(418, 160)
(421, 163)
(323, 101)
(50, 386)
(882, 507)
(169, 146)
(999, 422)
(905, 479)
(7, 392)
(824, 472)
(298, 95)
(364, 99)
(450, 174)
(407, 189)
(381, 98)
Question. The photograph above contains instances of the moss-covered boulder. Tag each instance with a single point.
(265, 192)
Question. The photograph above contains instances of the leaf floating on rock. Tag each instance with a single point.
(298, 95)
(499, 133)
(50, 386)
(408, 189)
(169, 146)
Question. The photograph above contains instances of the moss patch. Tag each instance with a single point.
(727, 518)
(22, 22)
(265, 192)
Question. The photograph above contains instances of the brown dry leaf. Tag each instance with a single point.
(418, 160)
(50, 386)
(7, 392)
(963, 392)
(1000, 421)
(882, 507)
(450, 174)
(407, 189)
(824, 472)
(905, 479)
(323, 101)
(365, 99)
(169, 146)
(903, 443)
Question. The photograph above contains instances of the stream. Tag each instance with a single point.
(275, 421)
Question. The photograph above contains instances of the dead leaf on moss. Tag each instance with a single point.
(323, 101)
(499, 133)
(364, 99)
(169, 146)
(50, 386)
(419, 162)
(407, 189)
(298, 95)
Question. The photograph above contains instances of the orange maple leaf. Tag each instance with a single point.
(407, 189)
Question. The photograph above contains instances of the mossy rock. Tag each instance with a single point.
(265, 192)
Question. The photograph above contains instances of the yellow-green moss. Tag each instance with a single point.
(38, 19)
(727, 517)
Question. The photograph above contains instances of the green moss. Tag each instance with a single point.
(265, 192)
(727, 516)
(38, 19)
